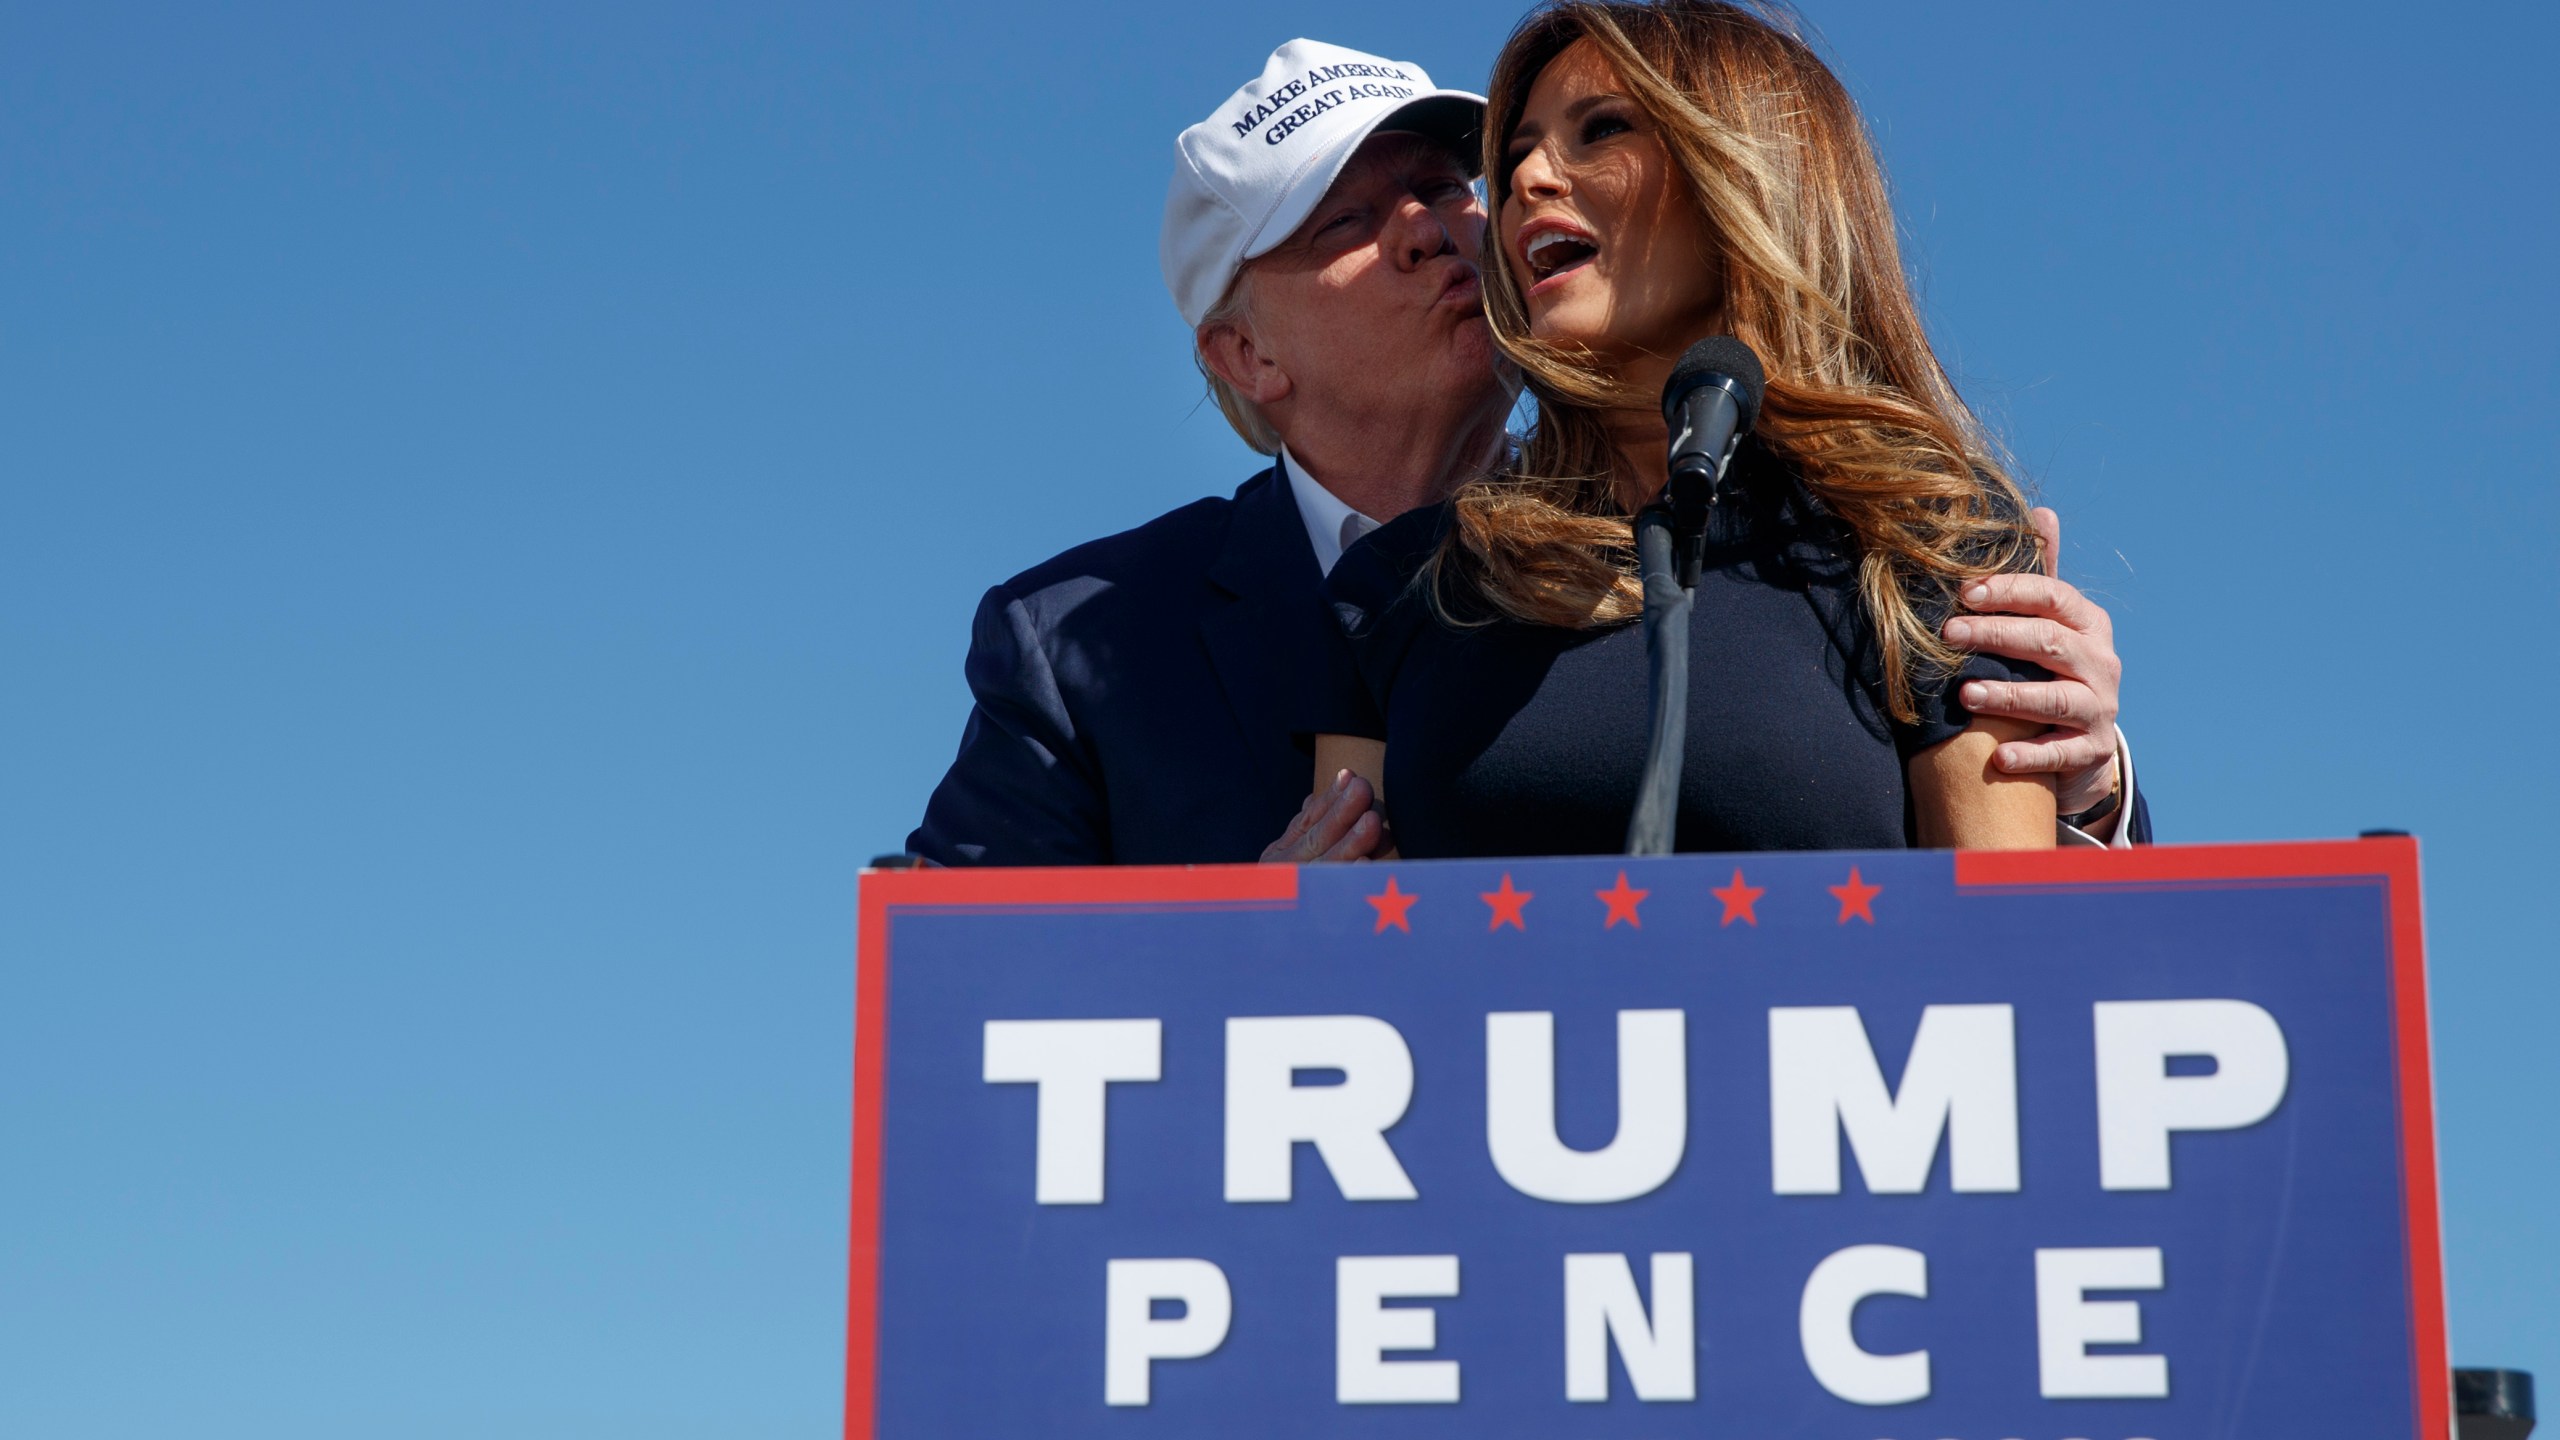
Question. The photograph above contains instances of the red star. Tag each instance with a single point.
(1392, 907)
(1738, 899)
(1854, 897)
(1622, 903)
(1507, 904)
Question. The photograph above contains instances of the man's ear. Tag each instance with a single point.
(1229, 351)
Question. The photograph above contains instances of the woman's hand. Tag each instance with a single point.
(1338, 822)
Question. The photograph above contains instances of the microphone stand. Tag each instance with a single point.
(1666, 654)
(1709, 402)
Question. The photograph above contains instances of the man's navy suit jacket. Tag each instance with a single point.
(1137, 697)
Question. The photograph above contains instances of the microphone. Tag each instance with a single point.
(1710, 402)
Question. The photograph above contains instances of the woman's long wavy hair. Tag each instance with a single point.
(1779, 162)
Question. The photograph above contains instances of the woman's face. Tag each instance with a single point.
(1598, 224)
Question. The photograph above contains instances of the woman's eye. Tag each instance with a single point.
(1601, 126)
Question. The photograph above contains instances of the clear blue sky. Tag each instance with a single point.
(491, 498)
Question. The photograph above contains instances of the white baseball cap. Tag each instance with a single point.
(1251, 173)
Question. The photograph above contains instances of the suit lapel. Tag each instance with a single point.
(1267, 635)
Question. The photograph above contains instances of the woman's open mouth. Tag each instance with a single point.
(1553, 248)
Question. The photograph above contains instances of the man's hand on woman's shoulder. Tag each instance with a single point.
(2045, 620)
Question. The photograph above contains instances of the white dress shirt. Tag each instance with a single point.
(1332, 526)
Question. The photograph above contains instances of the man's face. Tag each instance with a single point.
(1375, 300)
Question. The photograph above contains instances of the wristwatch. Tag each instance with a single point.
(2104, 808)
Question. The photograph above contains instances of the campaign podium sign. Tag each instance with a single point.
(1914, 1144)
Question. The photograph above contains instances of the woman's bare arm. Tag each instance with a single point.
(1963, 802)
(1364, 758)
(1343, 818)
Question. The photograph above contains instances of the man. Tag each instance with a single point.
(1135, 695)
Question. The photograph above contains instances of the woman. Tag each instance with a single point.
(1660, 173)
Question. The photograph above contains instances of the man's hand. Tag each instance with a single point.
(1339, 822)
(2041, 619)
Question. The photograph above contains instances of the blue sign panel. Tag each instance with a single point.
(1918, 1145)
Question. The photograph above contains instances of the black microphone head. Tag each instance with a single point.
(1718, 355)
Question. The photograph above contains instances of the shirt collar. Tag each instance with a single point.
(1331, 524)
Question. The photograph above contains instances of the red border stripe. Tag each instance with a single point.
(870, 1064)
(2082, 865)
(1098, 885)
